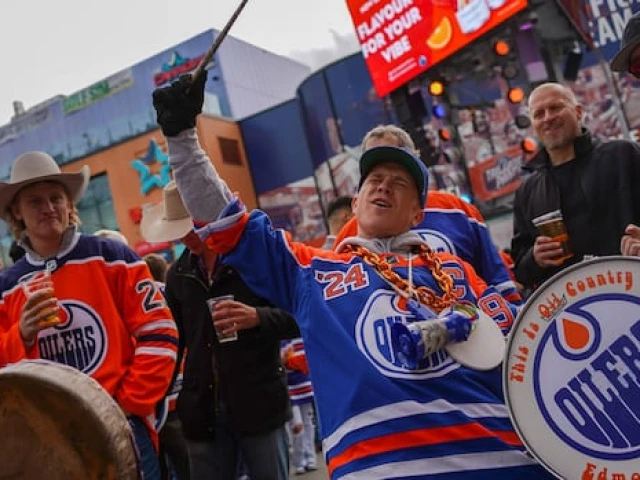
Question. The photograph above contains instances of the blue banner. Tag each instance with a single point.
(357, 106)
(276, 146)
(606, 25)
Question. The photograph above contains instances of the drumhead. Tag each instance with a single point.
(58, 423)
(572, 371)
(484, 350)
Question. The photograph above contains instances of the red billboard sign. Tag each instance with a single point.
(497, 175)
(402, 38)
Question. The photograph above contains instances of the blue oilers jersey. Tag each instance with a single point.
(453, 226)
(379, 420)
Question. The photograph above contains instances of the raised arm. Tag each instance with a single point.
(203, 191)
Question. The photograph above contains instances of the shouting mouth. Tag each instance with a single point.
(381, 203)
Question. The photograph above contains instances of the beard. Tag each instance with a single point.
(558, 139)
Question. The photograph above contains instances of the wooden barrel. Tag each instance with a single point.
(58, 423)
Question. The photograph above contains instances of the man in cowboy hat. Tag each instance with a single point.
(233, 392)
(628, 60)
(104, 314)
(380, 415)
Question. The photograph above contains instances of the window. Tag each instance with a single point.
(230, 149)
(5, 243)
(96, 206)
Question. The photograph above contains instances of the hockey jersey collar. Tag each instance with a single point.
(69, 240)
(399, 244)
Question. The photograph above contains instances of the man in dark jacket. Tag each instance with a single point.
(234, 399)
(591, 182)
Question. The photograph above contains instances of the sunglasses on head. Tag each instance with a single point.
(634, 67)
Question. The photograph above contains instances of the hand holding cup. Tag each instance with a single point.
(230, 316)
(552, 247)
(41, 308)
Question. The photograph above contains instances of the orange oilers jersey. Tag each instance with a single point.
(115, 325)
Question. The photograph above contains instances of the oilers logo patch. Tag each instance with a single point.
(373, 337)
(572, 373)
(437, 241)
(80, 340)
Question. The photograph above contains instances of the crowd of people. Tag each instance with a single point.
(249, 341)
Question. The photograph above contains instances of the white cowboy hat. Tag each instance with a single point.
(34, 167)
(168, 220)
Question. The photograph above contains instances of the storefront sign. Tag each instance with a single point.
(25, 122)
(96, 92)
(402, 38)
(497, 175)
(176, 66)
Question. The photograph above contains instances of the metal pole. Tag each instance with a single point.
(216, 43)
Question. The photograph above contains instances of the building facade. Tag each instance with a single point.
(111, 126)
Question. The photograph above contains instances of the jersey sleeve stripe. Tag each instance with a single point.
(158, 337)
(412, 439)
(422, 467)
(509, 285)
(407, 409)
(161, 324)
(162, 352)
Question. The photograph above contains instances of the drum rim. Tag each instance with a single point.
(81, 399)
(530, 301)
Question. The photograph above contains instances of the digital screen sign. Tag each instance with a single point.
(402, 38)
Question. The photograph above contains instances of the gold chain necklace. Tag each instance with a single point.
(423, 294)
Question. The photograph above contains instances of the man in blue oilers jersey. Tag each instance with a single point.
(449, 224)
(378, 418)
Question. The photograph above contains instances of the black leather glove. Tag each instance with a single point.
(176, 109)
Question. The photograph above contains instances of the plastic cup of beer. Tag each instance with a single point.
(42, 281)
(222, 337)
(552, 225)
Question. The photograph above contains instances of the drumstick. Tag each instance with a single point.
(216, 43)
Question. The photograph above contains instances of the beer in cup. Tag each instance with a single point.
(222, 337)
(42, 281)
(552, 225)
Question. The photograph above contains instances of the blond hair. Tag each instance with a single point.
(403, 138)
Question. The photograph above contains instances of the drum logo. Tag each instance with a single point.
(596, 408)
(80, 340)
(572, 377)
(373, 337)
